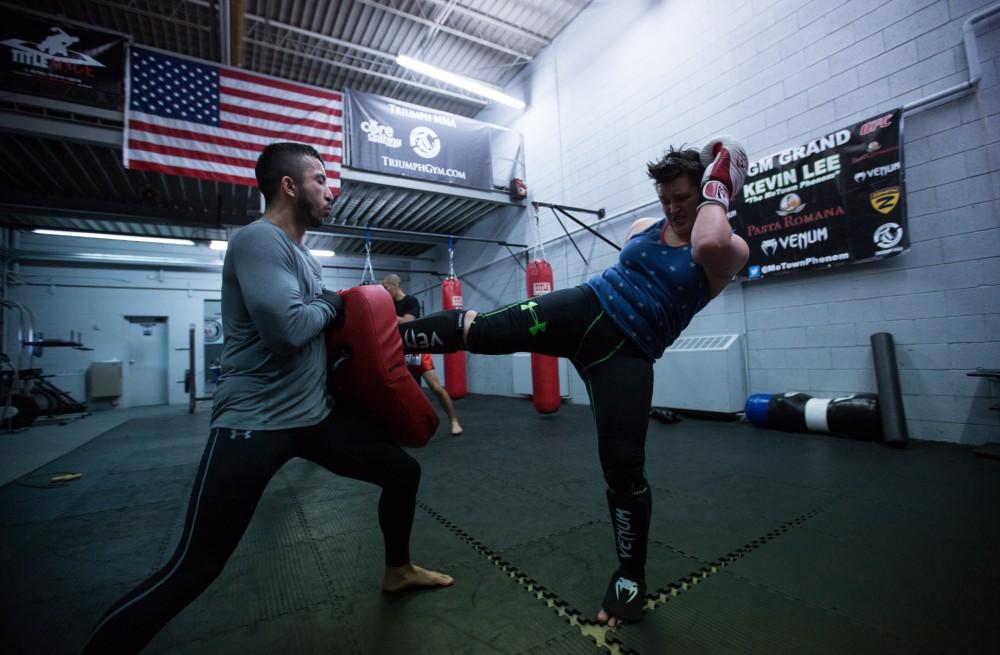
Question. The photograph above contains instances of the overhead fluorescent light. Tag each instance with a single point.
(116, 237)
(222, 245)
(459, 81)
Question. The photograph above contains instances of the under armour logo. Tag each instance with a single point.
(240, 433)
(628, 586)
(539, 326)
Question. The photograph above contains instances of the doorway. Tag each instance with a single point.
(146, 366)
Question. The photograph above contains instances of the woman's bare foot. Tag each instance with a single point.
(605, 618)
(398, 578)
(456, 428)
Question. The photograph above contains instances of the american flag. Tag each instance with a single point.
(195, 119)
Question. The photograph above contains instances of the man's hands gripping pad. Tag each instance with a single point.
(725, 162)
(375, 376)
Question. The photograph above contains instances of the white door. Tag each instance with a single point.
(146, 377)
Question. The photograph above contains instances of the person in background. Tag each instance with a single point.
(420, 364)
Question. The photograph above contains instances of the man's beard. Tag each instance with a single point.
(306, 210)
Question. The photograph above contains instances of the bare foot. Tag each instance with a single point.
(456, 428)
(604, 618)
(398, 578)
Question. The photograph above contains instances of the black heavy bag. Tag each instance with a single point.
(788, 412)
(855, 416)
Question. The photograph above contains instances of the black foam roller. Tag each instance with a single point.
(890, 399)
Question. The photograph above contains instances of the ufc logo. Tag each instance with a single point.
(877, 124)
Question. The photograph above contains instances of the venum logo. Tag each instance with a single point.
(799, 240)
(629, 587)
(421, 340)
(623, 529)
(878, 171)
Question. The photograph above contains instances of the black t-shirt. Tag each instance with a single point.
(408, 305)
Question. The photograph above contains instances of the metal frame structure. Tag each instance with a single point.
(350, 44)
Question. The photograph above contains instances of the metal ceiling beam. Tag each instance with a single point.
(382, 234)
(253, 18)
(365, 177)
(127, 8)
(49, 128)
(496, 22)
(63, 106)
(357, 69)
(80, 132)
(15, 204)
(19, 6)
(450, 30)
(225, 33)
(237, 22)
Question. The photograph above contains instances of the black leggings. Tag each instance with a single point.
(234, 469)
(570, 323)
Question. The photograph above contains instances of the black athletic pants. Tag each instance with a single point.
(234, 469)
(571, 323)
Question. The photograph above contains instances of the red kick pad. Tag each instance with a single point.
(375, 376)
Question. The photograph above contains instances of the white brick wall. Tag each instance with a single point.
(630, 77)
(93, 301)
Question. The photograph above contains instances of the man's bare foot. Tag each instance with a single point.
(605, 619)
(398, 578)
(456, 428)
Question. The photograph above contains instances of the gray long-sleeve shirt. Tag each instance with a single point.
(274, 354)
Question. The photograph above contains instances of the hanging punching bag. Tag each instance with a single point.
(544, 368)
(454, 363)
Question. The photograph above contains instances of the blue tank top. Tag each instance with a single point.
(653, 291)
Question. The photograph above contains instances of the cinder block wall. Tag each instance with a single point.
(629, 77)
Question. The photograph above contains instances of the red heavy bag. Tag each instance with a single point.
(454, 363)
(544, 368)
(375, 375)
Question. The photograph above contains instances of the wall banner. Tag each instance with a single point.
(838, 199)
(58, 59)
(399, 138)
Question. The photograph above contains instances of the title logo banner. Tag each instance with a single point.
(60, 60)
(399, 138)
(838, 199)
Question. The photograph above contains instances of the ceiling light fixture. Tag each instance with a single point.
(459, 81)
(222, 245)
(116, 237)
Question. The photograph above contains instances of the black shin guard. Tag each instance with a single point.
(630, 513)
(440, 332)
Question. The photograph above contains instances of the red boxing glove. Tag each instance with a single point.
(725, 162)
